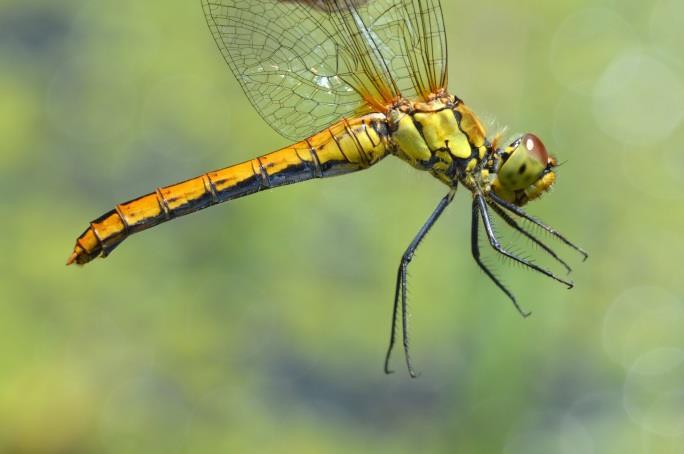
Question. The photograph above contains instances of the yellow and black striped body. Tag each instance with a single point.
(345, 147)
(441, 136)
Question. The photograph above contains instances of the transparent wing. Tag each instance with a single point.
(285, 56)
(304, 64)
(412, 40)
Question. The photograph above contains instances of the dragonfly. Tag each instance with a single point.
(351, 82)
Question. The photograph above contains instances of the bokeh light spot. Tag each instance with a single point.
(642, 319)
(666, 27)
(584, 45)
(654, 391)
(549, 433)
(638, 100)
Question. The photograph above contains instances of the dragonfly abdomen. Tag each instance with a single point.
(344, 147)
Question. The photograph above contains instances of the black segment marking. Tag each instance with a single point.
(209, 186)
(123, 219)
(97, 235)
(264, 176)
(362, 153)
(339, 147)
(293, 173)
(419, 127)
(381, 128)
(318, 173)
(162, 203)
(304, 163)
(247, 186)
(365, 130)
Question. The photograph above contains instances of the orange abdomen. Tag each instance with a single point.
(345, 147)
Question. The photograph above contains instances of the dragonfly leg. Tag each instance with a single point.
(475, 248)
(481, 205)
(520, 212)
(400, 289)
(512, 222)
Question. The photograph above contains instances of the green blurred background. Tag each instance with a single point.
(261, 325)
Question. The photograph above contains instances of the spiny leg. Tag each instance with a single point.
(494, 242)
(510, 221)
(475, 248)
(520, 212)
(400, 289)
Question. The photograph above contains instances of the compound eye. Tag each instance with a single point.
(526, 163)
(535, 148)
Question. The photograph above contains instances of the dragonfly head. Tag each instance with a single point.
(525, 170)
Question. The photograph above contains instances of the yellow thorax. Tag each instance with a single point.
(443, 128)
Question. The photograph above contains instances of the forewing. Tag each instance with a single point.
(285, 56)
(304, 64)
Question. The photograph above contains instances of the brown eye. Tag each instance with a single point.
(536, 148)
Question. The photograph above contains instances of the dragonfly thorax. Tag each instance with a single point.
(442, 136)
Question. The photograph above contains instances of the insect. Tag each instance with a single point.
(352, 82)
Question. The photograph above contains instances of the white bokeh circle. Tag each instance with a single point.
(638, 100)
